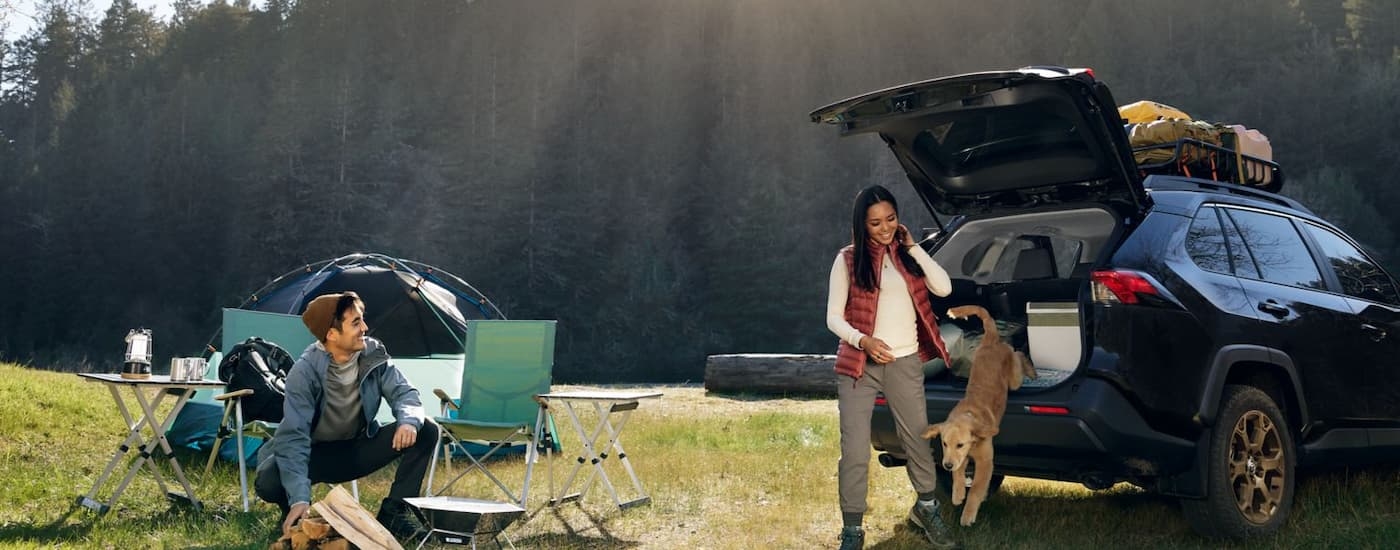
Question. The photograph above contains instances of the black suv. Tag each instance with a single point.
(1194, 337)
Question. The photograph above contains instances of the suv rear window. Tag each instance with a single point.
(967, 140)
(1216, 250)
(1239, 255)
(1205, 243)
(1023, 258)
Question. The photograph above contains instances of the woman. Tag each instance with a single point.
(879, 307)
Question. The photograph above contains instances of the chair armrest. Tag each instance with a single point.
(235, 394)
(446, 400)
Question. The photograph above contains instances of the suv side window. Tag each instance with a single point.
(1206, 243)
(1278, 249)
(1239, 254)
(1360, 277)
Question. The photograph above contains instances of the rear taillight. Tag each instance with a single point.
(880, 401)
(1112, 286)
(1039, 409)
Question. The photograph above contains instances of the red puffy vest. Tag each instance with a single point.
(860, 312)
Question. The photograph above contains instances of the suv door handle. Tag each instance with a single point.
(1377, 333)
(1272, 308)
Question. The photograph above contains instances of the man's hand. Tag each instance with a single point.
(405, 436)
(299, 510)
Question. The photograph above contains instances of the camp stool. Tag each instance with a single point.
(462, 520)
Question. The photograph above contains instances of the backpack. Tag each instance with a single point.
(261, 366)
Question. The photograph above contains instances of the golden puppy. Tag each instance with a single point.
(967, 432)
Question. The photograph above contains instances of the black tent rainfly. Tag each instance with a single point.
(416, 309)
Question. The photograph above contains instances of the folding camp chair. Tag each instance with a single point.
(506, 364)
(233, 406)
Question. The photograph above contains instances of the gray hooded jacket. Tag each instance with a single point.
(290, 447)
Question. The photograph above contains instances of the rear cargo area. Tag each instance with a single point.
(1029, 271)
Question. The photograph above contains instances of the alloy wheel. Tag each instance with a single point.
(1257, 466)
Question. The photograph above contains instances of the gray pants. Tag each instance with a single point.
(902, 382)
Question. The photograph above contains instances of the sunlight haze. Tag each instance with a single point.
(24, 15)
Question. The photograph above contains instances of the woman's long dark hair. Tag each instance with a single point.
(860, 237)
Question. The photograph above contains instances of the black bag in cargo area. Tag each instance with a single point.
(261, 366)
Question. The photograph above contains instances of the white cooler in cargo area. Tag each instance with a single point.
(1052, 329)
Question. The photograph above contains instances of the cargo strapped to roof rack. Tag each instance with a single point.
(1197, 159)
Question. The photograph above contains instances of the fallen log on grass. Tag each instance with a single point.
(771, 373)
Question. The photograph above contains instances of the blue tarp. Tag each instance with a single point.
(197, 425)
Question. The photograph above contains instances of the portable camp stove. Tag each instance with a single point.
(461, 521)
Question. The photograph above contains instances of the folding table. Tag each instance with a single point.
(149, 393)
(605, 404)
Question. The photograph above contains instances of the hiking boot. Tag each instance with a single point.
(395, 516)
(925, 516)
(852, 537)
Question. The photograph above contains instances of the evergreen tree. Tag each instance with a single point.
(125, 36)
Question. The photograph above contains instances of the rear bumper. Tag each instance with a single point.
(1101, 440)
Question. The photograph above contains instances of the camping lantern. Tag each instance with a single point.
(138, 354)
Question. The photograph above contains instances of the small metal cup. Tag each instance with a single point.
(187, 369)
(198, 368)
(177, 369)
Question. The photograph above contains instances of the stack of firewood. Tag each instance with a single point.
(337, 522)
(312, 533)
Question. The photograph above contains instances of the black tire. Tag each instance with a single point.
(945, 482)
(1251, 447)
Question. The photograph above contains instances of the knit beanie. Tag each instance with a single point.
(320, 315)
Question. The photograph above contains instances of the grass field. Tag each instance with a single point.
(723, 473)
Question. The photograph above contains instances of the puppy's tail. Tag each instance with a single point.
(989, 325)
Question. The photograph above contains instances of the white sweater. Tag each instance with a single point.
(895, 321)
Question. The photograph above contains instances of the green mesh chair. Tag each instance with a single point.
(506, 364)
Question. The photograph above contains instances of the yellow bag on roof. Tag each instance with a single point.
(1166, 133)
(1148, 111)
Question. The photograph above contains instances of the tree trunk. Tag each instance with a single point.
(771, 373)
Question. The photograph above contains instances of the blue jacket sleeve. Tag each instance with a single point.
(293, 437)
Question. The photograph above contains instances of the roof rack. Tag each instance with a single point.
(1197, 159)
(1195, 184)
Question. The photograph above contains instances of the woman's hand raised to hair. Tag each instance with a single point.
(904, 236)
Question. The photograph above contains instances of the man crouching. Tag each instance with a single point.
(328, 432)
